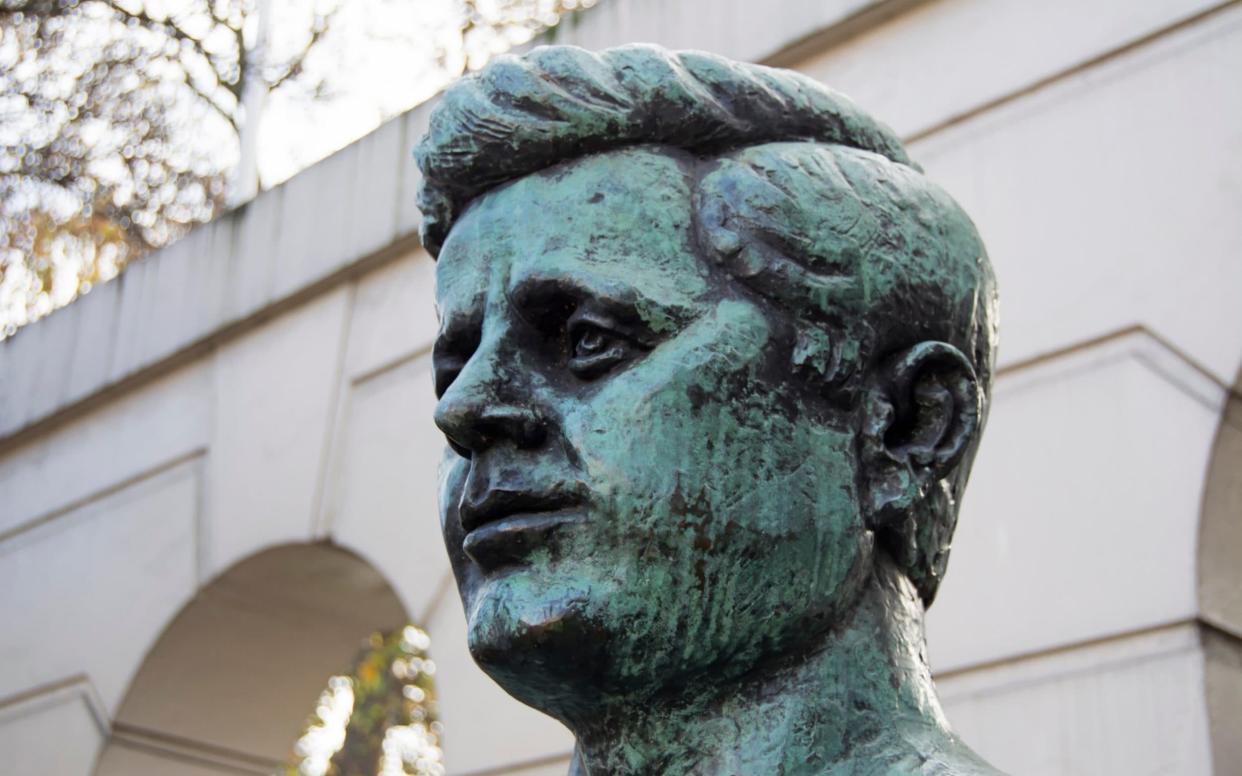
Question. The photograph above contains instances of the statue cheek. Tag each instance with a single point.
(673, 400)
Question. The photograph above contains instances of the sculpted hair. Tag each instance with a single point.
(800, 196)
(519, 115)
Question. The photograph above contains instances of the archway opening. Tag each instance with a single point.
(230, 684)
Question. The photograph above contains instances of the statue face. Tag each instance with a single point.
(637, 490)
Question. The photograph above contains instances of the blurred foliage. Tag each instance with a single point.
(122, 121)
(381, 719)
(119, 127)
(489, 27)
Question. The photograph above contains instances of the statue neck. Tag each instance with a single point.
(863, 694)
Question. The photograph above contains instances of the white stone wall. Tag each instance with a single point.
(266, 382)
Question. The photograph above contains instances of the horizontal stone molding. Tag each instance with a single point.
(70, 689)
(355, 210)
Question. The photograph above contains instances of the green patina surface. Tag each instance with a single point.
(711, 398)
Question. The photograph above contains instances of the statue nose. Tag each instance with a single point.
(474, 429)
(486, 405)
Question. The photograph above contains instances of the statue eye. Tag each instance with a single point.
(594, 350)
(590, 341)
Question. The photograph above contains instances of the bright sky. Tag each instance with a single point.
(380, 58)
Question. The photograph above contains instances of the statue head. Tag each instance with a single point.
(713, 361)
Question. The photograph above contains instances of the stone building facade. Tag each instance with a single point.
(217, 473)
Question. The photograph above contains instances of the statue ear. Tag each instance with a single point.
(922, 412)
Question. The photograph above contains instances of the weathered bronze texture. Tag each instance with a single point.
(713, 362)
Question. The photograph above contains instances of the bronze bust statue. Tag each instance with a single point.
(713, 362)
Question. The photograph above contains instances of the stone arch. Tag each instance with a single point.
(230, 682)
(1219, 584)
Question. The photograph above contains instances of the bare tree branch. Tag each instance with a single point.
(223, 112)
(111, 145)
(294, 67)
(165, 26)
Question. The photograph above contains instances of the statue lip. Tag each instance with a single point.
(503, 525)
(498, 504)
(511, 537)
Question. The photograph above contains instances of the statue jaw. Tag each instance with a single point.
(859, 700)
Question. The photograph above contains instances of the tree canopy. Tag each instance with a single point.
(120, 129)
(122, 122)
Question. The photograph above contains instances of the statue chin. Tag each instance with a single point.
(545, 653)
(501, 631)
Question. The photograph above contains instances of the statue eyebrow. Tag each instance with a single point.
(540, 299)
(543, 299)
